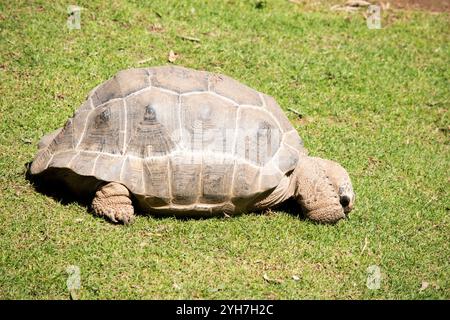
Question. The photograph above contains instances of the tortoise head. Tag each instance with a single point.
(323, 189)
(340, 179)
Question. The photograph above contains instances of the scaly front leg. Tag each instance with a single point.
(113, 201)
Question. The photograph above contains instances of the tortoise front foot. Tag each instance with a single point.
(113, 202)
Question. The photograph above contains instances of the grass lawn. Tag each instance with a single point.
(374, 100)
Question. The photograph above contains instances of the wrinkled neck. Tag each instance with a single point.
(295, 177)
(286, 189)
(280, 194)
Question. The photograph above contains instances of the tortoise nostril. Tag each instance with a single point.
(345, 201)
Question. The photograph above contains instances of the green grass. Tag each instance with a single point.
(375, 100)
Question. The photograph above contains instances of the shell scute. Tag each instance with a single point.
(292, 139)
(185, 178)
(272, 106)
(83, 163)
(259, 137)
(105, 129)
(109, 167)
(286, 158)
(132, 173)
(61, 159)
(121, 85)
(157, 181)
(216, 179)
(208, 123)
(232, 89)
(178, 79)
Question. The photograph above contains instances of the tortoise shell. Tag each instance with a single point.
(178, 139)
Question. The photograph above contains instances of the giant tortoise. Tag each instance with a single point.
(176, 141)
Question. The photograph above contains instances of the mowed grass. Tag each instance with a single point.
(374, 100)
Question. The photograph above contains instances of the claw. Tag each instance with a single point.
(110, 214)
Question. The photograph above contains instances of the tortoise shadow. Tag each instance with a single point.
(56, 190)
(292, 208)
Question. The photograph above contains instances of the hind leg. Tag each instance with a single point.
(113, 201)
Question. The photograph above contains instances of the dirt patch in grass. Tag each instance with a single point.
(429, 5)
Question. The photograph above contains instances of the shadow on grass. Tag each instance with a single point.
(46, 184)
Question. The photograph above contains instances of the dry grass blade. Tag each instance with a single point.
(296, 112)
(270, 280)
(193, 39)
